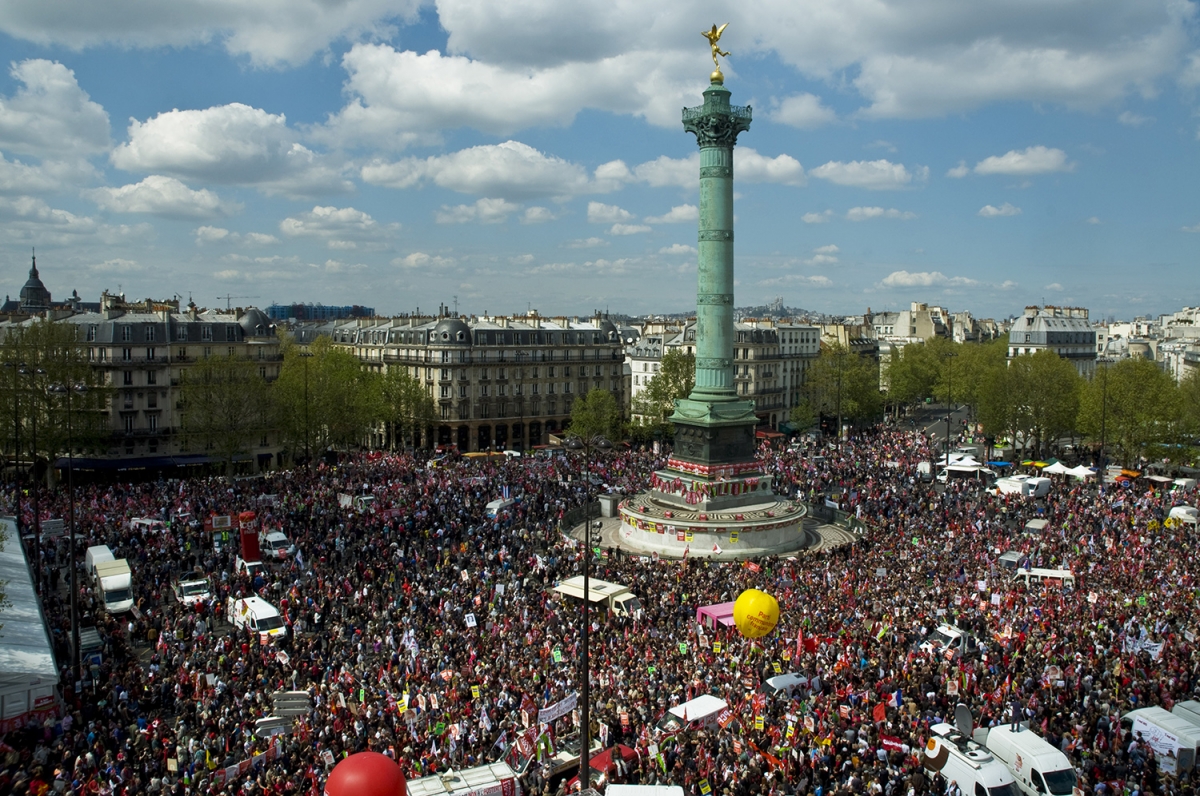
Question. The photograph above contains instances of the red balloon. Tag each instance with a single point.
(366, 774)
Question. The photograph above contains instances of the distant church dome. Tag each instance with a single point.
(34, 296)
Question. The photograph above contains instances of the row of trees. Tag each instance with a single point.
(323, 398)
(1132, 407)
(51, 399)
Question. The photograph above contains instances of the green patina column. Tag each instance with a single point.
(714, 425)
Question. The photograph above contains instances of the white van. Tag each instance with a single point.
(1038, 767)
(965, 762)
(97, 554)
(1173, 738)
(255, 613)
(494, 508)
(1060, 578)
(791, 684)
(1188, 709)
(703, 711)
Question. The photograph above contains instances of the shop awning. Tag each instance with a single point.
(83, 463)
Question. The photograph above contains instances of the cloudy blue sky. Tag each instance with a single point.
(529, 153)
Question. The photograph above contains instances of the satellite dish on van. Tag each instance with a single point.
(963, 719)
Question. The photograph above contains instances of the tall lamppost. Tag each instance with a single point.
(841, 360)
(949, 357)
(305, 356)
(68, 390)
(17, 368)
(587, 445)
(1104, 362)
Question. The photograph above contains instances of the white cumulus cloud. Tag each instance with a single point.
(868, 213)
(339, 227)
(677, 248)
(50, 115)
(1006, 209)
(875, 175)
(487, 210)
(162, 196)
(1026, 162)
(537, 215)
(924, 279)
(511, 170)
(423, 260)
(804, 111)
(233, 144)
(676, 215)
(959, 171)
(628, 229)
(600, 213)
(748, 166)
(817, 218)
(269, 33)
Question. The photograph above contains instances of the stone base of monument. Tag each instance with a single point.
(768, 526)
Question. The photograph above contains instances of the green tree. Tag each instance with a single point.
(802, 417)
(973, 368)
(656, 403)
(407, 406)
(1133, 405)
(39, 360)
(910, 374)
(596, 415)
(324, 398)
(1189, 405)
(1043, 390)
(844, 385)
(226, 407)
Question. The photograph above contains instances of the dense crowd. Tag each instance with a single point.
(424, 629)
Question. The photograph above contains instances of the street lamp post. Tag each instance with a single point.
(306, 355)
(68, 390)
(841, 358)
(587, 445)
(1104, 361)
(17, 368)
(949, 355)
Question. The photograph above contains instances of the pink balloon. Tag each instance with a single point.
(366, 774)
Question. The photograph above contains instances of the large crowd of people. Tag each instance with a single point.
(425, 629)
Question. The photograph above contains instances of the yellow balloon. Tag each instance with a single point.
(755, 613)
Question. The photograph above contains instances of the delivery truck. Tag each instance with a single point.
(616, 598)
(114, 581)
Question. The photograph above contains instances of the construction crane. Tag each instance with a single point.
(229, 299)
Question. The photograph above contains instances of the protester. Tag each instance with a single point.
(425, 602)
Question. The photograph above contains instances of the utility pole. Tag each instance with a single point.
(949, 355)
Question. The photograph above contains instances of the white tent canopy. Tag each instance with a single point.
(1082, 472)
(1058, 468)
(27, 671)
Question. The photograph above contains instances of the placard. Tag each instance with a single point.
(470, 620)
(733, 537)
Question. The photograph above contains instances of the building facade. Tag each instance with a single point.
(1063, 330)
(497, 382)
(141, 351)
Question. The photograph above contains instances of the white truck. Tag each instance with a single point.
(951, 643)
(494, 779)
(1038, 766)
(617, 598)
(97, 554)
(1172, 737)
(965, 762)
(114, 581)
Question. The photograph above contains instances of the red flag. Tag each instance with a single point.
(880, 712)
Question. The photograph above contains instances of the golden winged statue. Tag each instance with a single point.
(713, 37)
